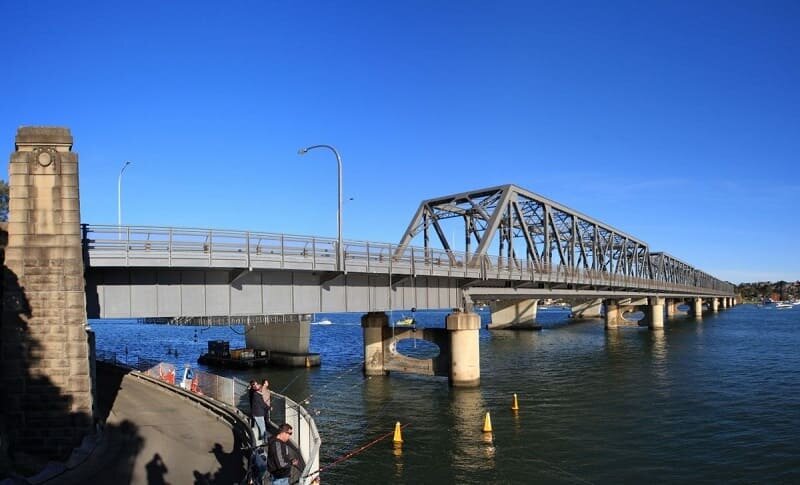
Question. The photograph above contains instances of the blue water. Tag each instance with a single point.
(715, 401)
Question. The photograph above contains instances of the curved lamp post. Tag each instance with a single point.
(119, 198)
(340, 247)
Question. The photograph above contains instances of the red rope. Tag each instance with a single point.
(358, 450)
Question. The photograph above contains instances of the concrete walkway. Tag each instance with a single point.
(154, 436)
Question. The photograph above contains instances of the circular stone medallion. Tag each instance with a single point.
(45, 159)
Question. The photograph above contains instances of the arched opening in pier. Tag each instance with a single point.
(415, 348)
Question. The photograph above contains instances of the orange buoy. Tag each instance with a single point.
(487, 423)
(398, 435)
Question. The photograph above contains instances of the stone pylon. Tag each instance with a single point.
(46, 351)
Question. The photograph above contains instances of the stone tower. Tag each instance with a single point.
(45, 342)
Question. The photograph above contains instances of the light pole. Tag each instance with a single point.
(340, 247)
(119, 199)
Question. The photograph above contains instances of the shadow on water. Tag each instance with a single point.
(38, 426)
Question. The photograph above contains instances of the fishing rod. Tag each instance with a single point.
(355, 452)
(333, 381)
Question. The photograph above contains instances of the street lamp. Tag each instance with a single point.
(119, 199)
(340, 248)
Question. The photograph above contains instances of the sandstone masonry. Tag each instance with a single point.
(45, 342)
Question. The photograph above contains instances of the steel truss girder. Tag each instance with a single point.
(552, 235)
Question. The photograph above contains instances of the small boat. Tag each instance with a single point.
(322, 322)
(405, 322)
(782, 304)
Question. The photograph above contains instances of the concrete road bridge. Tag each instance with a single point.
(543, 250)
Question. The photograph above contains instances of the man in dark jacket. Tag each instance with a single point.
(279, 460)
(258, 409)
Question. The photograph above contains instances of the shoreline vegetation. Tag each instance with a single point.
(777, 291)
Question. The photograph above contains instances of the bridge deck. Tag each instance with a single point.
(149, 247)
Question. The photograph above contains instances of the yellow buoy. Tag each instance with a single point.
(398, 435)
(487, 423)
(308, 362)
(515, 406)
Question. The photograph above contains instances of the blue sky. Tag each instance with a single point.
(676, 122)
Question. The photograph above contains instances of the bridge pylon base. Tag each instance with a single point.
(459, 348)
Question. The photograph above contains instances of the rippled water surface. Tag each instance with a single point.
(715, 401)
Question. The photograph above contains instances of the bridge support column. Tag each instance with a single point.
(697, 308)
(286, 341)
(514, 314)
(715, 305)
(372, 325)
(723, 303)
(46, 369)
(589, 309)
(613, 314)
(655, 313)
(672, 307)
(465, 369)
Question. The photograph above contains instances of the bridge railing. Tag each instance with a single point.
(179, 247)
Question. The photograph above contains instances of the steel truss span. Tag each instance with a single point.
(534, 234)
(544, 249)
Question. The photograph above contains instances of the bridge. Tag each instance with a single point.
(542, 250)
(519, 247)
(176, 272)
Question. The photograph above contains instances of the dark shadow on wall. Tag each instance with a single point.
(92, 297)
(37, 423)
(231, 465)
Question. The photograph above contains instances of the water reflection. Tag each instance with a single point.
(399, 463)
(612, 406)
(473, 450)
(659, 359)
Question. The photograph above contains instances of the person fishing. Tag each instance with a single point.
(279, 459)
(258, 410)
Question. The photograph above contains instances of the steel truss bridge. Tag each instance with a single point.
(543, 249)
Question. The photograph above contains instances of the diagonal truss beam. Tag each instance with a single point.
(507, 218)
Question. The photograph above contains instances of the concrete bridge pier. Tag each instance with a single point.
(465, 370)
(287, 342)
(715, 305)
(615, 311)
(654, 313)
(613, 314)
(590, 309)
(372, 325)
(671, 307)
(514, 314)
(697, 308)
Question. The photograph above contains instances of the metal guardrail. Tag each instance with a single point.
(178, 247)
(234, 393)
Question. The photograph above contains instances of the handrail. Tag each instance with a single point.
(178, 247)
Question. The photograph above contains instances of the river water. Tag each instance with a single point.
(714, 401)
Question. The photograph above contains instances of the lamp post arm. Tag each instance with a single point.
(119, 195)
(340, 249)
